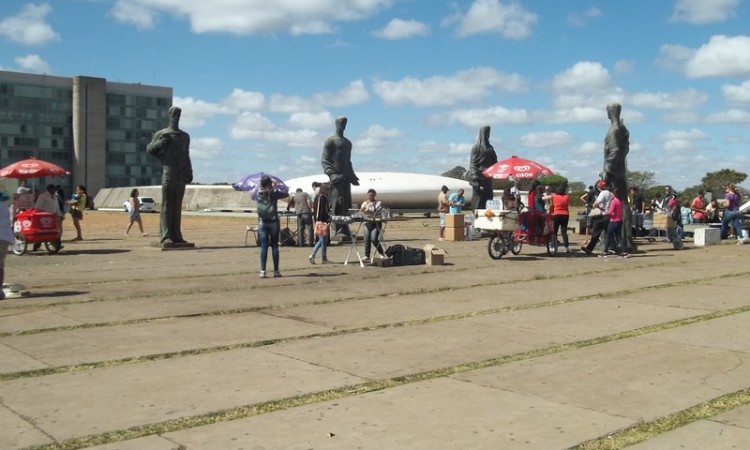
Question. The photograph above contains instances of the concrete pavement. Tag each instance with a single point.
(123, 346)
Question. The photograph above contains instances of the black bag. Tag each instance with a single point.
(405, 256)
(676, 213)
(286, 238)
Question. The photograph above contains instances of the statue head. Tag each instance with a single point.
(484, 136)
(613, 110)
(341, 124)
(174, 116)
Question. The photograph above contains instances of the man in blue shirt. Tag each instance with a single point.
(456, 200)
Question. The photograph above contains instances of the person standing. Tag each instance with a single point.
(6, 237)
(639, 209)
(171, 146)
(457, 201)
(268, 227)
(442, 207)
(47, 202)
(77, 206)
(482, 156)
(599, 221)
(698, 208)
(134, 213)
(614, 227)
(321, 214)
(303, 209)
(732, 215)
(337, 164)
(371, 208)
(560, 202)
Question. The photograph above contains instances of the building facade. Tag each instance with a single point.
(96, 129)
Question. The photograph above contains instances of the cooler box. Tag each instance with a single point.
(496, 220)
(37, 225)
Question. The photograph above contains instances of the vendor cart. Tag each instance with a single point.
(512, 229)
(662, 224)
(34, 226)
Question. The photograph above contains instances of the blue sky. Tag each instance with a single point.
(261, 82)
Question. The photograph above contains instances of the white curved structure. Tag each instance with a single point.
(396, 190)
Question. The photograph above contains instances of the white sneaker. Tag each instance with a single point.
(312, 259)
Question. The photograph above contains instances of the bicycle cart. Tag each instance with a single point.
(513, 229)
(34, 226)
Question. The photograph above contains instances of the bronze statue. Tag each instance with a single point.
(482, 156)
(616, 147)
(171, 146)
(337, 164)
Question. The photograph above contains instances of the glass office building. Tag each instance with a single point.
(96, 129)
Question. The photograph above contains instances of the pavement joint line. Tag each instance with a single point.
(335, 301)
(262, 343)
(538, 276)
(718, 404)
(644, 431)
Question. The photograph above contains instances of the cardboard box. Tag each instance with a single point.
(454, 220)
(434, 256)
(454, 234)
(663, 221)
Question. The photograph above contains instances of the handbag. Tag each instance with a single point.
(595, 212)
(321, 229)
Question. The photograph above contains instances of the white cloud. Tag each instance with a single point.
(196, 113)
(134, 13)
(579, 19)
(737, 116)
(247, 17)
(722, 56)
(252, 125)
(677, 101)
(375, 139)
(584, 76)
(548, 139)
(403, 29)
(468, 85)
(316, 121)
(625, 66)
(353, 94)
(678, 141)
(478, 117)
(242, 100)
(674, 57)
(206, 148)
(290, 104)
(495, 17)
(28, 26)
(33, 63)
(699, 12)
(737, 94)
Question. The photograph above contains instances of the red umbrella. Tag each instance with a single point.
(32, 168)
(518, 168)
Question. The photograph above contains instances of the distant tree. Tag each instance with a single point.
(716, 182)
(553, 181)
(576, 186)
(456, 172)
(642, 180)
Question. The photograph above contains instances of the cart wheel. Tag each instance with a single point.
(496, 247)
(19, 246)
(552, 246)
(53, 247)
(516, 245)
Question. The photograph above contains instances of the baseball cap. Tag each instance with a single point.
(601, 184)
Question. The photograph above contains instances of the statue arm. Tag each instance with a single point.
(188, 164)
(474, 162)
(326, 160)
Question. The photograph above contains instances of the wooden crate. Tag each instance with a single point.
(663, 221)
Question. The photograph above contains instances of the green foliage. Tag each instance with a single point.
(716, 182)
(553, 181)
(642, 180)
(456, 172)
(577, 186)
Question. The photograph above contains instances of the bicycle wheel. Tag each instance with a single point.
(496, 247)
(516, 245)
(19, 245)
(552, 246)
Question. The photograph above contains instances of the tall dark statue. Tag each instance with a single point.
(171, 146)
(337, 164)
(616, 148)
(482, 156)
